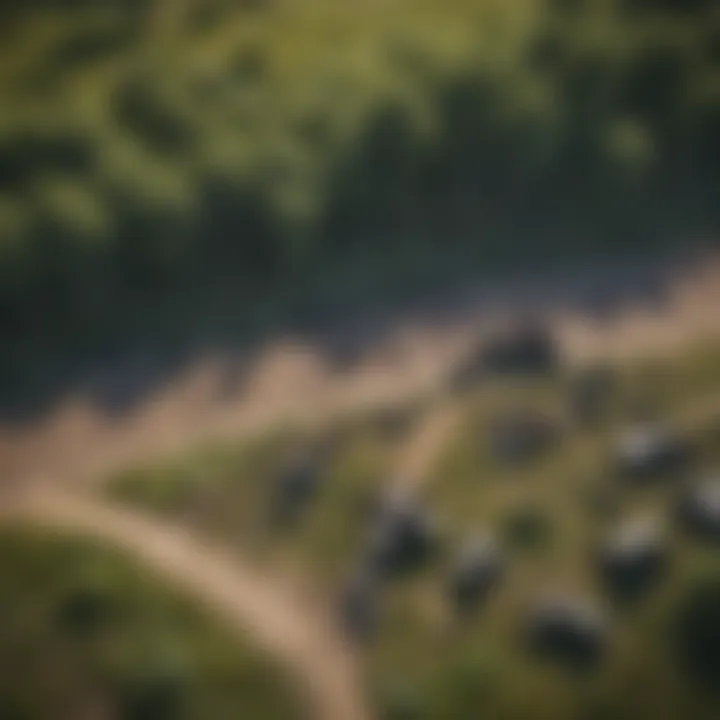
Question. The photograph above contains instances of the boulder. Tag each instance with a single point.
(296, 486)
(699, 509)
(633, 557)
(402, 535)
(568, 630)
(650, 450)
(528, 348)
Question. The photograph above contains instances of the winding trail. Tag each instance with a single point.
(259, 605)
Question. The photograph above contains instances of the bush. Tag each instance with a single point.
(275, 153)
(696, 627)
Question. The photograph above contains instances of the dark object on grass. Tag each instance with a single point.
(700, 509)
(520, 437)
(527, 527)
(528, 348)
(590, 395)
(696, 626)
(296, 487)
(650, 450)
(402, 536)
(567, 630)
(478, 569)
(155, 694)
(85, 609)
(633, 558)
(359, 606)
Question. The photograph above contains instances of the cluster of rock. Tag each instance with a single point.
(629, 559)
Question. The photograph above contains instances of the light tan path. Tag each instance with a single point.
(258, 605)
(426, 443)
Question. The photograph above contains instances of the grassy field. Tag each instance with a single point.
(229, 493)
(425, 663)
(85, 633)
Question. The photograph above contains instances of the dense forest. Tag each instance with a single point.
(162, 149)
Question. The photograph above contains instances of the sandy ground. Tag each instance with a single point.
(45, 466)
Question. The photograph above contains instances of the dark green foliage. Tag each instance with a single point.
(139, 108)
(696, 625)
(528, 528)
(272, 159)
(82, 627)
(85, 609)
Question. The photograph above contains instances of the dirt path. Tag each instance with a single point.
(292, 382)
(262, 607)
(426, 442)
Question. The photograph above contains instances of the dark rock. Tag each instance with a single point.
(296, 486)
(478, 569)
(700, 509)
(633, 558)
(520, 437)
(650, 450)
(570, 631)
(526, 349)
(402, 535)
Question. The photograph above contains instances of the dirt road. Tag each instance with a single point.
(294, 382)
(260, 606)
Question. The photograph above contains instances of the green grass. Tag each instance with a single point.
(452, 669)
(84, 632)
(424, 663)
(229, 493)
